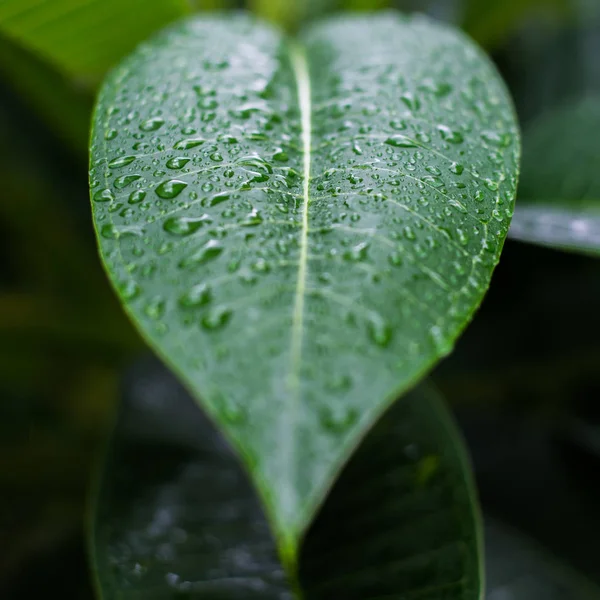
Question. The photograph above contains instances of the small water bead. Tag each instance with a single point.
(216, 199)
(409, 233)
(495, 138)
(412, 102)
(178, 162)
(398, 124)
(338, 419)
(462, 237)
(211, 250)
(111, 134)
(217, 318)
(400, 141)
(457, 168)
(125, 181)
(379, 331)
(155, 308)
(441, 342)
(395, 259)
(142, 146)
(197, 296)
(113, 232)
(253, 219)
(439, 89)
(170, 189)
(450, 135)
(216, 157)
(129, 289)
(491, 185)
(357, 252)
(189, 143)
(123, 161)
(137, 197)
(184, 226)
(152, 124)
(261, 265)
(104, 195)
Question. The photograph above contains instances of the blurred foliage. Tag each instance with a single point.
(85, 38)
(528, 403)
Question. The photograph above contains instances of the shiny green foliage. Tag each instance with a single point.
(559, 194)
(176, 513)
(85, 38)
(301, 229)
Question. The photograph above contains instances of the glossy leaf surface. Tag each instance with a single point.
(85, 38)
(559, 194)
(176, 514)
(302, 228)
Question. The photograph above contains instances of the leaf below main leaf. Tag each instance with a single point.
(302, 229)
(176, 515)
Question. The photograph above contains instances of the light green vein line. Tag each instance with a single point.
(289, 545)
(300, 67)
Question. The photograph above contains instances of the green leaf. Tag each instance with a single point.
(85, 38)
(559, 193)
(490, 22)
(175, 512)
(520, 570)
(63, 106)
(301, 229)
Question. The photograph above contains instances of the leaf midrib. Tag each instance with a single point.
(300, 69)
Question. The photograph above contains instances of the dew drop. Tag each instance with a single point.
(457, 168)
(411, 101)
(104, 195)
(152, 124)
(129, 289)
(501, 140)
(379, 331)
(137, 197)
(211, 250)
(217, 318)
(188, 143)
(400, 141)
(395, 259)
(125, 181)
(199, 295)
(398, 124)
(338, 419)
(123, 161)
(113, 232)
(170, 189)
(178, 162)
(184, 226)
(218, 199)
(357, 253)
(155, 309)
(450, 135)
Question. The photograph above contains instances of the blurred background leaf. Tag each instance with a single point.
(85, 38)
(559, 193)
(176, 512)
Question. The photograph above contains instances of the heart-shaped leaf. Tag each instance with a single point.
(302, 228)
(176, 514)
(559, 193)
